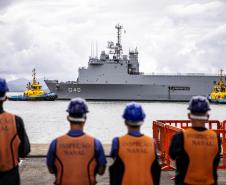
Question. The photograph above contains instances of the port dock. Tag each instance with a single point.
(33, 169)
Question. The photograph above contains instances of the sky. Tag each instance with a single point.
(55, 36)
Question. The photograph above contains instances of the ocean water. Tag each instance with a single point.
(46, 120)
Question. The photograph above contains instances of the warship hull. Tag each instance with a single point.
(171, 89)
(116, 76)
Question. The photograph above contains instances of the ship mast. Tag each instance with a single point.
(118, 48)
(33, 75)
(221, 74)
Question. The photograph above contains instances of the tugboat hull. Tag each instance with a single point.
(45, 97)
(218, 101)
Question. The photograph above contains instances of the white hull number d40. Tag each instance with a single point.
(75, 89)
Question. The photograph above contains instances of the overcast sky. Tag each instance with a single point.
(54, 36)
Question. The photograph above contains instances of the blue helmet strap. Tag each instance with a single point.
(132, 123)
(199, 117)
(76, 119)
(80, 119)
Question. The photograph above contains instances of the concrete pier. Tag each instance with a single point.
(33, 169)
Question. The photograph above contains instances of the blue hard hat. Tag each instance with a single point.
(3, 85)
(77, 106)
(199, 104)
(133, 112)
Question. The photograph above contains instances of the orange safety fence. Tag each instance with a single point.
(223, 125)
(159, 136)
(163, 131)
(212, 124)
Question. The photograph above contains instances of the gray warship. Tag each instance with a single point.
(114, 76)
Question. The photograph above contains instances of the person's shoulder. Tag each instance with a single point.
(14, 115)
(97, 141)
(122, 136)
(92, 138)
(18, 118)
(19, 122)
(60, 136)
(146, 136)
(115, 140)
(53, 142)
(178, 135)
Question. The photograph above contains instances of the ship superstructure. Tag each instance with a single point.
(115, 76)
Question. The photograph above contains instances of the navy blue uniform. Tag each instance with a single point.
(118, 164)
(51, 156)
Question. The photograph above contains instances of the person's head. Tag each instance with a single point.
(77, 110)
(199, 107)
(3, 89)
(133, 115)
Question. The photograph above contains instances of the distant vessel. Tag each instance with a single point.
(218, 95)
(34, 92)
(114, 76)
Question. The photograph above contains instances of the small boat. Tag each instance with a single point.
(218, 95)
(34, 92)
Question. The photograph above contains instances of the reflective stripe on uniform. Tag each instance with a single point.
(202, 148)
(137, 154)
(75, 160)
(9, 142)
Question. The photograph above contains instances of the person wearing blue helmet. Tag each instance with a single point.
(134, 154)
(75, 158)
(14, 142)
(196, 149)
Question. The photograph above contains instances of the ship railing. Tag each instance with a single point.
(182, 74)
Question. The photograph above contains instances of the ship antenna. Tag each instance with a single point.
(92, 49)
(118, 49)
(96, 49)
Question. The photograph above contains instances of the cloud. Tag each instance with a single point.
(4, 5)
(54, 36)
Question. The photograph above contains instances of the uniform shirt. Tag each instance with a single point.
(12, 177)
(99, 151)
(24, 148)
(177, 152)
(155, 170)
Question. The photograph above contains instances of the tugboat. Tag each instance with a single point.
(34, 92)
(218, 95)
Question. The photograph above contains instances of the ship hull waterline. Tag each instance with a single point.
(123, 92)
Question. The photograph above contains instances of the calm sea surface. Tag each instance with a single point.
(47, 120)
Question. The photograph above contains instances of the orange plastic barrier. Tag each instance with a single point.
(224, 125)
(212, 124)
(224, 138)
(159, 136)
(163, 131)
